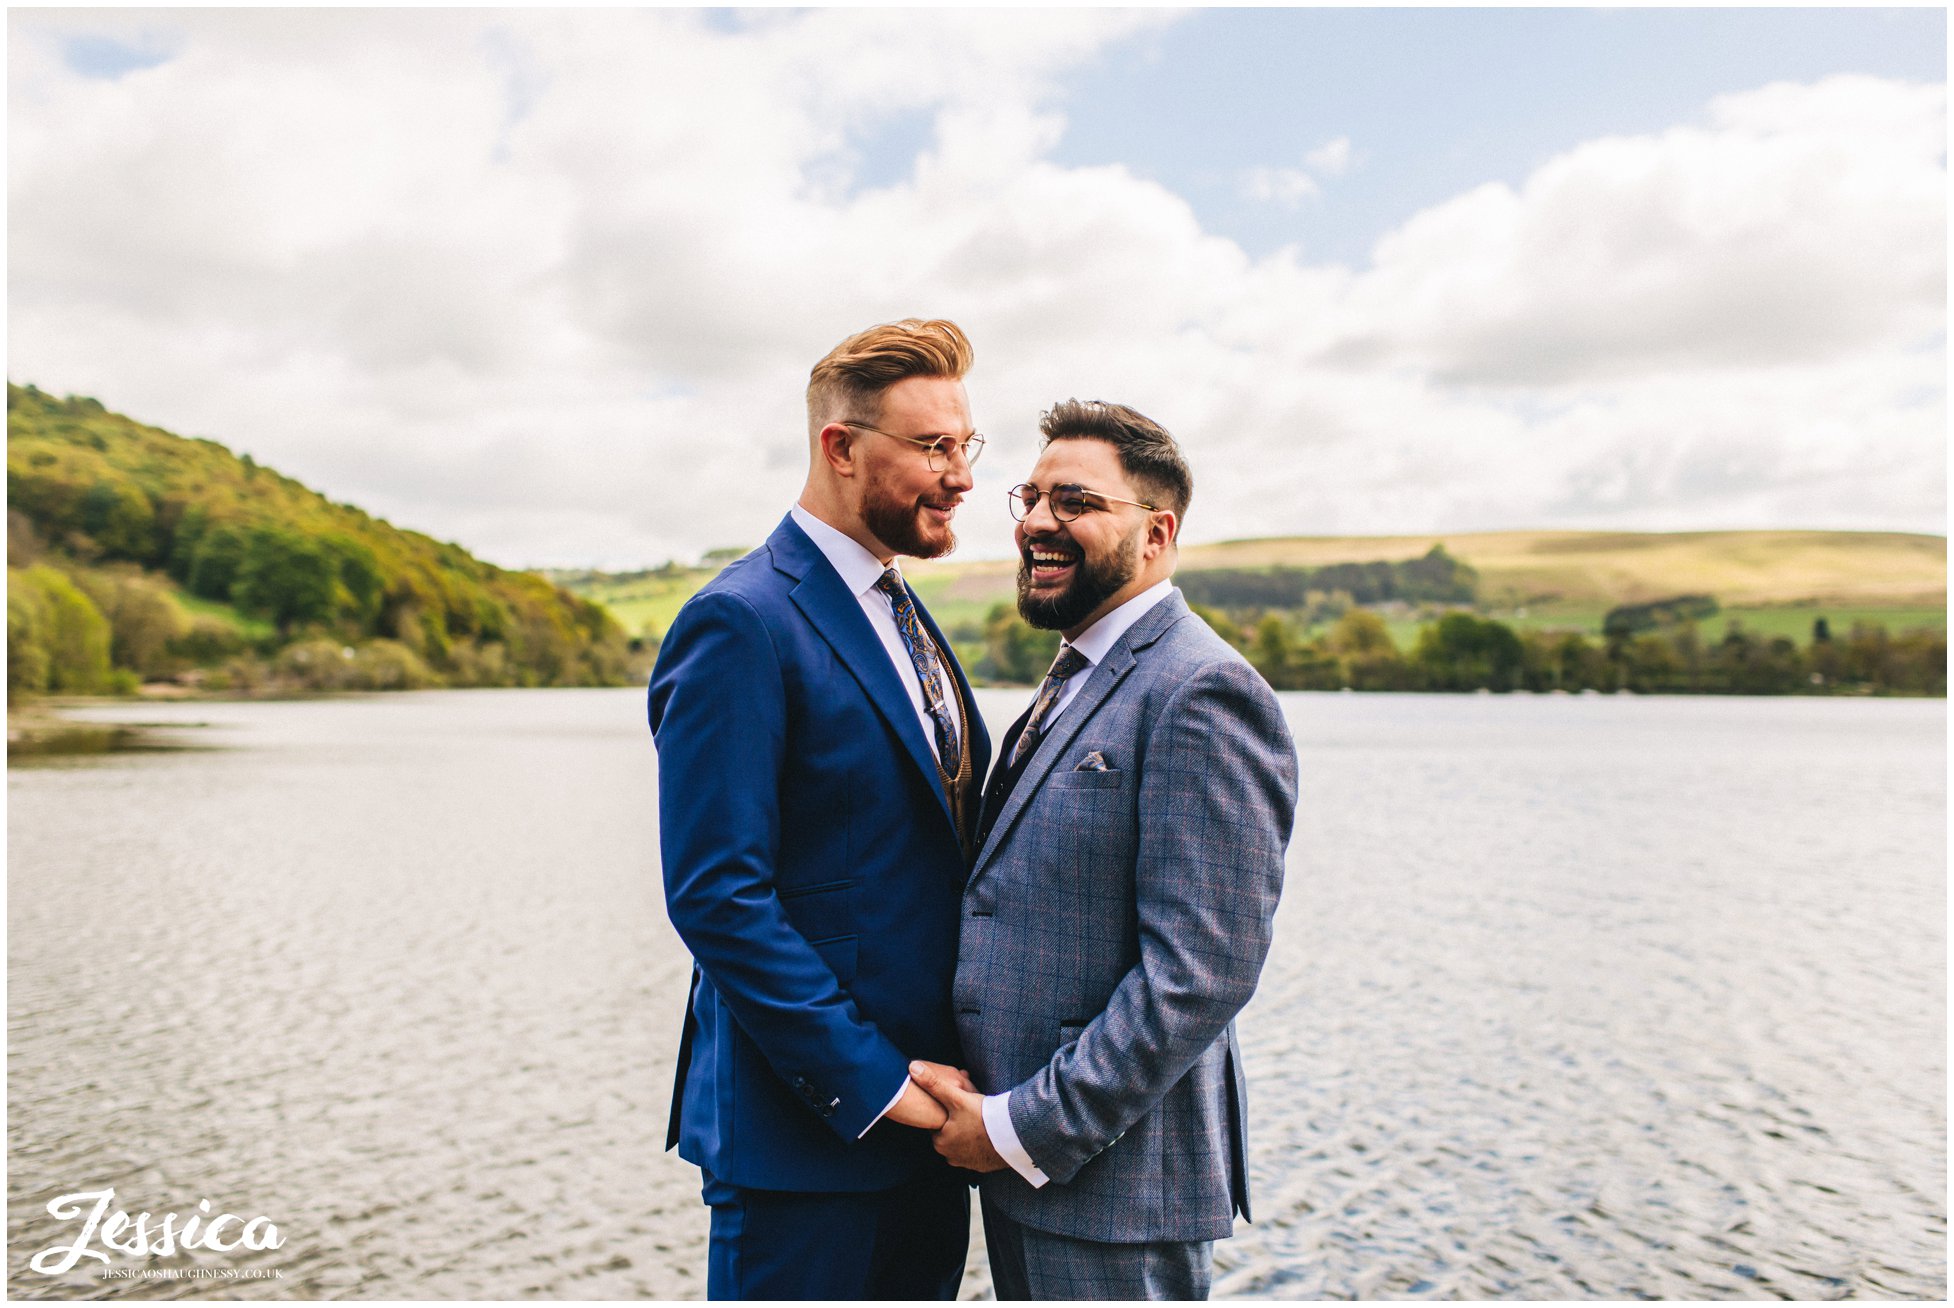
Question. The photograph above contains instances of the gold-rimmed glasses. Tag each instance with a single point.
(1067, 501)
(938, 448)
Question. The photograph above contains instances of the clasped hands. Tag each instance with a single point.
(943, 1101)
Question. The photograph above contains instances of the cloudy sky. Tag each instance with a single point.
(548, 283)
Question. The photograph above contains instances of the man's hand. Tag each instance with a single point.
(962, 1140)
(917, 1109)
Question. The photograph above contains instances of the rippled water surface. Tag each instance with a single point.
(1570, 997)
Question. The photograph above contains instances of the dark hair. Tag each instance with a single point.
(850, 379)
(1148, 455)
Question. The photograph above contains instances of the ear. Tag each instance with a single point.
(835, 445)
(1162, 532)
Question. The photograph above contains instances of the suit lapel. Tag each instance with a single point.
(1005, 744)
(835, 613)
(1101, 682)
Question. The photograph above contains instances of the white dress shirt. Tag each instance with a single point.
(1093, 644)
(860, 570)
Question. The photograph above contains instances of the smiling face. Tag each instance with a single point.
(1071, 574)
(905, 507)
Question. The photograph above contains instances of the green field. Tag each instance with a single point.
(1796, 622)
(1793, 621)
(644, 604)
(951, 605)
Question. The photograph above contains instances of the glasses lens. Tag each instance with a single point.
(943, 447)
(1068, 502)
(1023, 500)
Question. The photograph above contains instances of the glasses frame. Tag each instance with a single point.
(1021, 511)
(970, 447)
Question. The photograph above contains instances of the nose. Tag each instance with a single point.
(957, 475)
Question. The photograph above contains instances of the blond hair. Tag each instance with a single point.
(849, 381)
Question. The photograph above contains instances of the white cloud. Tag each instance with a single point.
(1331, 159)
(1288, 187)
(1801, 223)
(549, 282)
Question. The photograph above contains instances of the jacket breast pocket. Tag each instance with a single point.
(1090, 779)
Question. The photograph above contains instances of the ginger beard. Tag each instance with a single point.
(1092, 583)
(918, 527)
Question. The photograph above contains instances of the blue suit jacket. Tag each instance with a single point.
(813, 869)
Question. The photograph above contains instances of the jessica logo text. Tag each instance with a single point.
(139, 1239)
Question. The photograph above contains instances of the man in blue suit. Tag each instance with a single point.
(819, 764)
(1130, 859)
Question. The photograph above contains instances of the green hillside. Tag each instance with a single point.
(134, 554)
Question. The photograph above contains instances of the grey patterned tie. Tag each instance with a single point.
(1069, 661)
(929, 670)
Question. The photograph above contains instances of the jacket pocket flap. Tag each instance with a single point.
(1098, 779)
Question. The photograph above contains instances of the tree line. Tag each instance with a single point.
(1436, 578)
(1461, 651)
(135, 554)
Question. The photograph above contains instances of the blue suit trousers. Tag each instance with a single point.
(906, 1243)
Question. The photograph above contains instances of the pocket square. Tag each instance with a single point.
(1093, 762)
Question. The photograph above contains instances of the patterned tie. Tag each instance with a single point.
(928, 670)
(1069, 661)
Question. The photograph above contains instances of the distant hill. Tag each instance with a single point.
(1590, 568)
(1776, 581)
(1622, 567)
(135, 554)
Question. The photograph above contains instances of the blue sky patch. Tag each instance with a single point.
(886, 151)
(1434, 101)
(106, 58)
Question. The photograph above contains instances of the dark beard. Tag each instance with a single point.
(1093, 582)
(895, 525)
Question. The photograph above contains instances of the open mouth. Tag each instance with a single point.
(941, 511)
(1050, 564)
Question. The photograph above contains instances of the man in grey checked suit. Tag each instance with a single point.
(1130, 855)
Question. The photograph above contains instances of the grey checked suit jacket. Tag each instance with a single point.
(1115, 922)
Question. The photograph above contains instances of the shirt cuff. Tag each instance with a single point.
(1004, 1139)
(901, 1090)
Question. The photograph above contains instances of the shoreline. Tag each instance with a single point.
(41, 728)
(38, 731)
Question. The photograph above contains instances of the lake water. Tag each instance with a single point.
(1570, 997)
